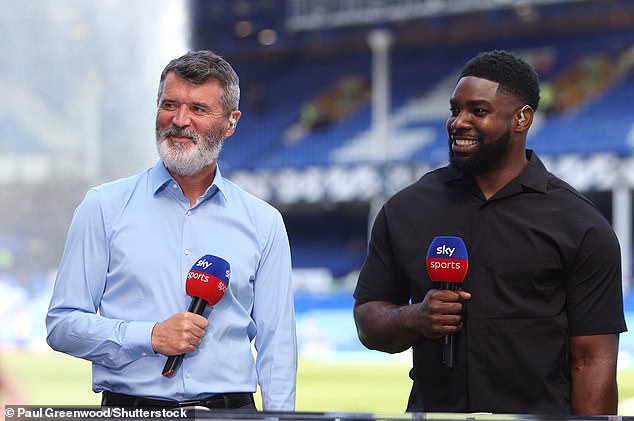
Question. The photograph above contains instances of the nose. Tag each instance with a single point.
(181, 116)
(457, 121)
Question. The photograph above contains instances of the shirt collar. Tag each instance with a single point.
(535, 176)
(161, 178)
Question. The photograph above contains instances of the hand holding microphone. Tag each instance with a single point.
(447, 262)
(179, 334)
(207, 282)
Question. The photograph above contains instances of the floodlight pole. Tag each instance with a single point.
(622, 223)
(380, 41)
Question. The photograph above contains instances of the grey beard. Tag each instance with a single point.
(186, 163)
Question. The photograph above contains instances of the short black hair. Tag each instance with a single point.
(513, 74)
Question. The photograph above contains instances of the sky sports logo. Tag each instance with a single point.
(194, 275)
(215, 266)
(203, 263)
(208, 279)
(197, 276)
(447, 259)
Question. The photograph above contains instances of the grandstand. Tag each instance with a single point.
(307, 142)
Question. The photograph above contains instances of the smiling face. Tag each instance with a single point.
(480, 128)
(191, 125)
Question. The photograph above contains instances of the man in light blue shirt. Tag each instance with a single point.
(119, 298)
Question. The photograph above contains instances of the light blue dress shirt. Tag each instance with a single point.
(129, 248)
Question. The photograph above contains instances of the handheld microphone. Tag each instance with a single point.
(207, 282)
(447, 263)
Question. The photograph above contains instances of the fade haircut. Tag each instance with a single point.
(513, 74)
(200, 66)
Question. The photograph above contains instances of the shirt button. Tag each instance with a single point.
(189, 213)
(144, 354)
(175, 185)
(188, 376)
(187, 252)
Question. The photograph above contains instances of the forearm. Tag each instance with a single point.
(278, 384)
(593, 393)
(276, 339)
(111, 343)
(594, 387)
(276, 365)
(385, 326)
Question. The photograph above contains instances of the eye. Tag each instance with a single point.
(169, 105)
(479, 111)
(454, 111)
(199, 109)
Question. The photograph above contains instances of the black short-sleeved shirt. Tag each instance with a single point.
(544, 265)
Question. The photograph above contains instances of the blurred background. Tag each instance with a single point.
(343, 103)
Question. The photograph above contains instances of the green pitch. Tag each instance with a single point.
(57, 379)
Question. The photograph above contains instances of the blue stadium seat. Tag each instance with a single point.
(422, 78)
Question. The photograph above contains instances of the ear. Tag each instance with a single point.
(232, 122)
(524, 118)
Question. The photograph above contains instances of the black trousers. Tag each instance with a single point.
(241, 401)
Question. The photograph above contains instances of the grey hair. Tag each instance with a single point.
(199, 67)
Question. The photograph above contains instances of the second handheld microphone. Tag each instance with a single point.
(447, 262)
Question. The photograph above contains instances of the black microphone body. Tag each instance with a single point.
(197, 306)
(447, 340)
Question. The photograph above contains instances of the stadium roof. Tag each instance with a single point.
(238, 27)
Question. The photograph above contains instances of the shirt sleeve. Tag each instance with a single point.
(594, 291)
(381, 279)
(73, 323)
(274, 315)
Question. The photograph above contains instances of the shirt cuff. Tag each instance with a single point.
(138, 339)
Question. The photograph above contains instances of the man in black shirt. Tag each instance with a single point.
(537, 318)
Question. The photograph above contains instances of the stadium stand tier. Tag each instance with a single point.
(306, 135)
(587, 82)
